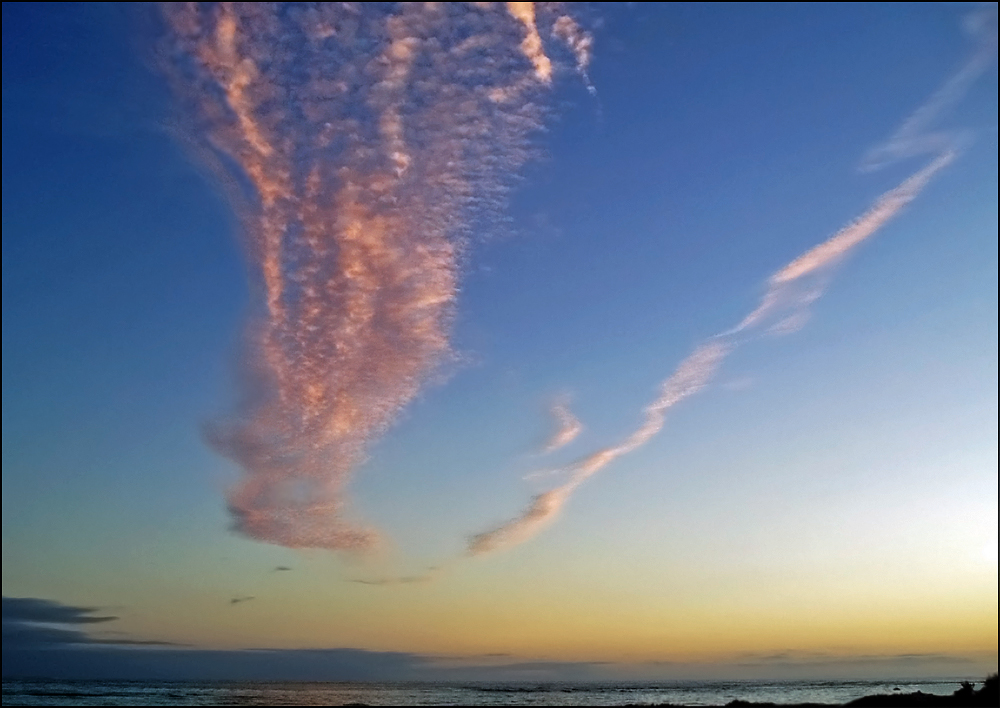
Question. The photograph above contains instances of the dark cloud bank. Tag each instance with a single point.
(46, 639)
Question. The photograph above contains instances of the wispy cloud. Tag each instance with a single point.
(34, 623)
(785, 302)
(689, 377)
(425, 576)
(396, 129)
(401, 580)
(580, 42)
(795, 287)
(784, 307)
(827, 659)
(567, 427)
(531, 45)
(31, 609)
(741, 383)
(913, 136)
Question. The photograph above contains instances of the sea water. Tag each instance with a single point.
(237, 693)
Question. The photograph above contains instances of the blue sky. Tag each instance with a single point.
(842, 471)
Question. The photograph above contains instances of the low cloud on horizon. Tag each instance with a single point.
(44, 639)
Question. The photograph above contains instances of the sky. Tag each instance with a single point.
(500, 341)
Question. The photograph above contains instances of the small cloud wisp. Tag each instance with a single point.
(567, 427)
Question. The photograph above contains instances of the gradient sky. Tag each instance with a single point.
(825, 505)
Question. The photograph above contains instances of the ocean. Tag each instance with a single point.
(246, 693)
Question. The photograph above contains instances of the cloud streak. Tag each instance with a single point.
(912, 137)
(689, 378)
(35, 610)
(581, 43)
(531, 45)
(792, 289)
(361, 144)
(567, 427)
(784, 307)
(31, 623)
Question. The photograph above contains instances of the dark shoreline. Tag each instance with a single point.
(965, 696)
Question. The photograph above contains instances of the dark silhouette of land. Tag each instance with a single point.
(965, 697)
